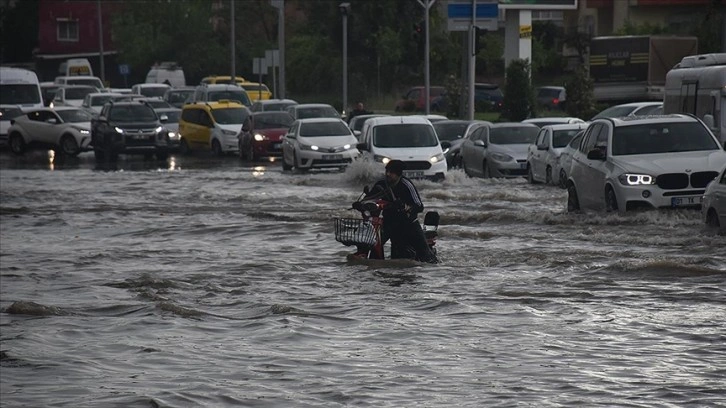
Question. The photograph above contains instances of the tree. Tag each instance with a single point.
(518, 97)
(580, 97)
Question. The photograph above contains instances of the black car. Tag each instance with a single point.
(452, 131)
(130, 127)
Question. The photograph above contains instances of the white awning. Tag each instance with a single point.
(76, 55)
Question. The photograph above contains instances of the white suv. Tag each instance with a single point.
(643, 162)
(411, 139)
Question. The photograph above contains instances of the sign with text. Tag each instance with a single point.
(460, 14)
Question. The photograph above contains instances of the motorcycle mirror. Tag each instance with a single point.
(366, 190)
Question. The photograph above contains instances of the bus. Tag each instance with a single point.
(697, 85)
(20, 87)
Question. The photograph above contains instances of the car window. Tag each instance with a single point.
(589, 139)
(7, 113)
(99, 100)
(575, 142)
(317, 129)
(513, 135)
(562, 137)
(541, 137)
(662, 138)
(178, 96)
(74, 116)
(404, 135)
(450, 131)
(152, 91)
(274, 120)
(602, 137)
(477, 134)
(230, 116)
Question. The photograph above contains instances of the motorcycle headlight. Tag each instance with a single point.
(118, 130)
(636, 179)
(259, 137)
(502, 157)
(438, 158)
(381, 159)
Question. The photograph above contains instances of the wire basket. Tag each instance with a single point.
(354, 231)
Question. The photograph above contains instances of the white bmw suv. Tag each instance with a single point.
(643, 162)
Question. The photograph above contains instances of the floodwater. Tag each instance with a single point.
(205, 282)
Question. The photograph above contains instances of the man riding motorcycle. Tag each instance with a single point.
(400, 220)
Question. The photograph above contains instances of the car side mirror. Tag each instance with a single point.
(356, 133)
(52, 121)
(445, 145)
(164, 118)
(596, 154)
(362, 146)
(480, 143)
(542, 147)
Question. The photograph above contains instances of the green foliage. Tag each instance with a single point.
(580, 97)
(641, 29)
(18, 30)
(518, 96)
(453, 96)
(709, 31)
(489, 60)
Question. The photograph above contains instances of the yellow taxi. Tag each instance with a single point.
(223, 79)
(212, 126)
(256, 91)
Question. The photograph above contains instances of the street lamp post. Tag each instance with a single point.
(280, 6)
(344, 9)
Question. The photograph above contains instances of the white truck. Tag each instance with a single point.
(20, 87)
(697, 85)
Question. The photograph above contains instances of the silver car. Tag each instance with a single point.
(498, 149)
(714, 203)
(544, 154)
(649, 162)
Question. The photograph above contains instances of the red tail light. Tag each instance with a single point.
(555, 101)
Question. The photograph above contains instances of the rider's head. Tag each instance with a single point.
(394, 170)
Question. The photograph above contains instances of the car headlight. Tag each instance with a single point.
(119, 130)
(381, 159)
(438, 158)
(173, 135)
(84, 132)
(159, 129)
(308, 147)
(501, 157)
(229, 132)
(636, 179)
(259, 137)
(347, 147)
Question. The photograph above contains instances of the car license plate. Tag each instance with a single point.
(681, 201)
(332, 157)
(413, 174)
(139, 137)
(523, 166)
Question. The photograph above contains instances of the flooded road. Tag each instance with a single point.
(204, 281)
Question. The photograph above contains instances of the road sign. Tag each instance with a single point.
(123, 69)
(259, 66)
(272, 57)
(460, 13)
(538, 4)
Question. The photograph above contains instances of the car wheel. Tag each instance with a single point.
(217, 148)
(285, 166)
(712, 219)
(548, 175)
(563, 179)
(573, 203)
(184, 147)
(69, 146)
(17, 144)
(530, 175)
(611, 202)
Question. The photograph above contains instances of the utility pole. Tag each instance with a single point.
(280, 6)
(231, 23)
(427, 82)
(100, 42)
(472, 59)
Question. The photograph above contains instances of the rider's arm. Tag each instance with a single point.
(413, 200)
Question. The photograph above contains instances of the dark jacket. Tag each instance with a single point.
(403, 193)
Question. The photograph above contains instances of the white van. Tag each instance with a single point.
(75, 66)
(411, 139)
(166, 73)
(20, 87)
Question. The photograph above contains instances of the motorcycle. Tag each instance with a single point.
(365, 232)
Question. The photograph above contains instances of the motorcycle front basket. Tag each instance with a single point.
(354, 231)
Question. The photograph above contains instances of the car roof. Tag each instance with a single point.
(566, 126)
(562, 119)
(154, 85)
(639, 120)
(222, 103)
(393, 120)
(220, 86)
(513, 124)
(312, 105)
(312, 120)
(267, 101)
(640, 104)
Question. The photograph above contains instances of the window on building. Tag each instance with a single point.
(67, 29)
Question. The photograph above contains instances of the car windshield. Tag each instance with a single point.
(178, 96)
(100, 100)
(615, 112)
(7, 113)
(249, 87)
(450, 131)
(315, 129)
(273, 120)
(279, 106)
(16, 94)
(172, 116)
(85, 81)
(74, 115)
(405, 135)
(513, 135)
(153, 91)
(230, 116)
(561, 138)
(546, 123)
(158, 103)
(317, 112)
(669, 137)
(238, 96)
(132, 113)
(648, 110)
